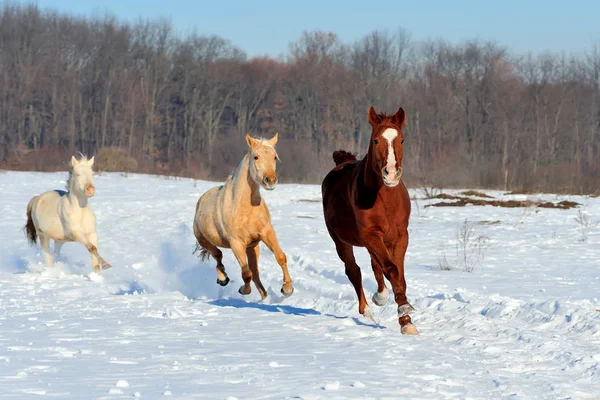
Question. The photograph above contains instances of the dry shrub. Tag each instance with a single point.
(462, 202)
(563, 205)
(114, 159)
(475, 193)
(470, 249)
(430, 191)
(522, 191)
(444, 196)
(585, 224)
(46, 159)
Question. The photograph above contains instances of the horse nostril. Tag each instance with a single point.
(385, 171)
(266, 180)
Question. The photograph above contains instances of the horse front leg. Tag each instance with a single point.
(93, 238)
(253, 252)
(397, 275)
(270, 239)
(393, 268)
(91, 242)
(57, 246)
(45, 244)
(379, 298)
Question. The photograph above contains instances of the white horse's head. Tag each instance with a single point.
(81, 177)
(263, 160)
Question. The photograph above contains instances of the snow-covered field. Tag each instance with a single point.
(525, 324)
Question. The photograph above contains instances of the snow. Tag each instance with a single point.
(525, 323)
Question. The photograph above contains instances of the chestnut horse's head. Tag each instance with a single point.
(386, 147)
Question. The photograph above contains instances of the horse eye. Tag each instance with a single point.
(402, 142)
(375, 141)
(276, 157)
(256, 157)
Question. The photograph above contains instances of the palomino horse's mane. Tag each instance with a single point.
(264, 142)
(70, 172)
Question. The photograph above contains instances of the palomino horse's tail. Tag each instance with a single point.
(29, 227)
(203, 254)
(341, 156)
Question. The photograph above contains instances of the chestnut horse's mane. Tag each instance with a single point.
(341, 156)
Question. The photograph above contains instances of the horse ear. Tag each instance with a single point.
(251, 141)
(91, 161)
(273, 140)
(74, 161)
(400, 117)
(373, 117)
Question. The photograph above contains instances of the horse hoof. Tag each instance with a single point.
(367, 313)
(96, 269)
(242, 291)
(405, 309)
(223, 282)
(380, 298)
(106, 266)
(287, 293)
(409, 329)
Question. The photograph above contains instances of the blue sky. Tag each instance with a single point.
(267, 27)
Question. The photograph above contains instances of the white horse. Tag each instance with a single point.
(235, 216)
(66, 216)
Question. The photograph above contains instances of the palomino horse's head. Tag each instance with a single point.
(81, 178)
(386, 147)
(263, 158)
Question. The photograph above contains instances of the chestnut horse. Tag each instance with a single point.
(367, 205)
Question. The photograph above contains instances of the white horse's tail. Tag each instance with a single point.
(29, 226)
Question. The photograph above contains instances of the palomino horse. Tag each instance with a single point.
(367, 205)
(66, 216)
(235, 216)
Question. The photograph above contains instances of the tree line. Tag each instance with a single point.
(478, 115)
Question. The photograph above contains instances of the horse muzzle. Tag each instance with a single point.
(89, 190)
(391, 178)
(269, 182)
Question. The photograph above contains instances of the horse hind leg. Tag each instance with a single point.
(346, 254)
(379, 298)
(205, 248)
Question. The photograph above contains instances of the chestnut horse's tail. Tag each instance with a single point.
(341, 156)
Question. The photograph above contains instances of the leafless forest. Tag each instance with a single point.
(478, 115)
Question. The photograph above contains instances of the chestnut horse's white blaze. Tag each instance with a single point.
(390, 134)
(389, 172)
(66, 216)
(235, 216)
